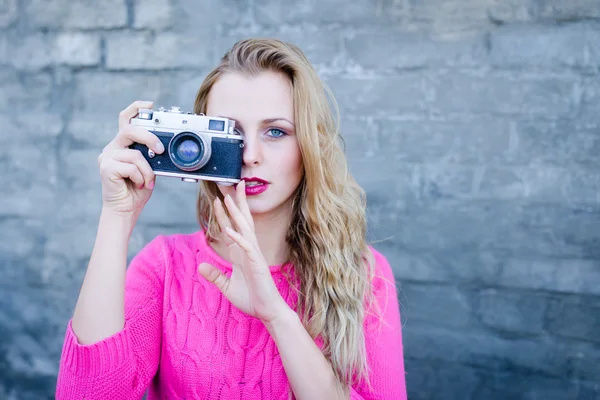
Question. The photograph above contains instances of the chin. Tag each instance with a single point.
(266, 205)
(258, 207)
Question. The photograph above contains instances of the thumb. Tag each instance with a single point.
(215, 276)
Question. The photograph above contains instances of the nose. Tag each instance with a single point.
(252, 152)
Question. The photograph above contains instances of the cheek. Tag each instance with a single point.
(291, 163)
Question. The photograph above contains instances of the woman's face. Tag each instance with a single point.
(263, 110)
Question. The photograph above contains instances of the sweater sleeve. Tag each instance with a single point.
(383, 341)
(120, 366)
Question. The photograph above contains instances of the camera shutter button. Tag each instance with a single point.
(151, 153)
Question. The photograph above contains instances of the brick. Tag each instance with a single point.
(503, 94)
(271, 12)
(96, 119)
(563, 143)
(572, 230)
(178, 195)
(444, 306)
(32, 52)
(510, 11)
(509, 384)
(439, 266)
(440, 380)
(321, 45)
(79, 15)
(142, 51)
(574, 317)
(25, 236)
(28, 193)
(31, 92)
(86, 206)
(24, 125)
(79, 173)
(80, 236)
(462, 140)
(572, 184)
(5, 49)
(361, 137)
(80, 169)
(29, 353)
(95, 123)
(557, 10)
(583, 360)
(77, 49)
(154, 14)
(560, 275)
(433, 224)
(449, 15)
(573, 45)
(381, 96)
(516, 312)
(207, 20)
(590, 101)
(589, 390)
(428, 342)
(380, 50)
(9, 13)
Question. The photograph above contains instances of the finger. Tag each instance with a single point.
(117, 170)
(135, 157)
(241, 241)
(214, 276)
(242, 203)
(236, 215)
(222, 219)
(137, 134)
(131, 111)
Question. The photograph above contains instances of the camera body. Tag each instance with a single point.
(197, 147)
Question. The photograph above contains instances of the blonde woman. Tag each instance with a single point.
(277, 296)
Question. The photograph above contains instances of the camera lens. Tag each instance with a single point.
(189, 151)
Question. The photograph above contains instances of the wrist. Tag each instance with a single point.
(118, 221)
(283, 319)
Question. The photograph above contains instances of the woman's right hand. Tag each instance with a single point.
(127, 178)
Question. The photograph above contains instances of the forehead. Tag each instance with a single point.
(266, 95)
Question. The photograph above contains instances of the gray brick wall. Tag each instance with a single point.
(473, 125)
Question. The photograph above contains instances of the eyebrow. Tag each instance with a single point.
(264, 121)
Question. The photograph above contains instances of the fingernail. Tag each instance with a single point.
(160, 147)
(151, 185)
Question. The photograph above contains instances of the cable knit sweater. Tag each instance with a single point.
(183, 339)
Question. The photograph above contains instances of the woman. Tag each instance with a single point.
(277, 296)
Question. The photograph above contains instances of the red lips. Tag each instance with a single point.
(255, 189)
(254, 179)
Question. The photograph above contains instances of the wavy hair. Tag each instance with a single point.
(327, 237)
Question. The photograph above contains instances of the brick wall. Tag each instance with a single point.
(472, 124)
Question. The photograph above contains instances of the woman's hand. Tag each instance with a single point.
(127, 178)
(251, 287)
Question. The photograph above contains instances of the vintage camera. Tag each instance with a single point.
(197, 147)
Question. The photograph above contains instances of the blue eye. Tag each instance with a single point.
(276, 133)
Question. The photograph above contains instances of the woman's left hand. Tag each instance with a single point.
(251, 287)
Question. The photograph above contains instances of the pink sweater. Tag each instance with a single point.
(183, 339)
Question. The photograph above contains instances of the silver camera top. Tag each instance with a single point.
(175, 119)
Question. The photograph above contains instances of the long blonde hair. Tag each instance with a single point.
(327, 236)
